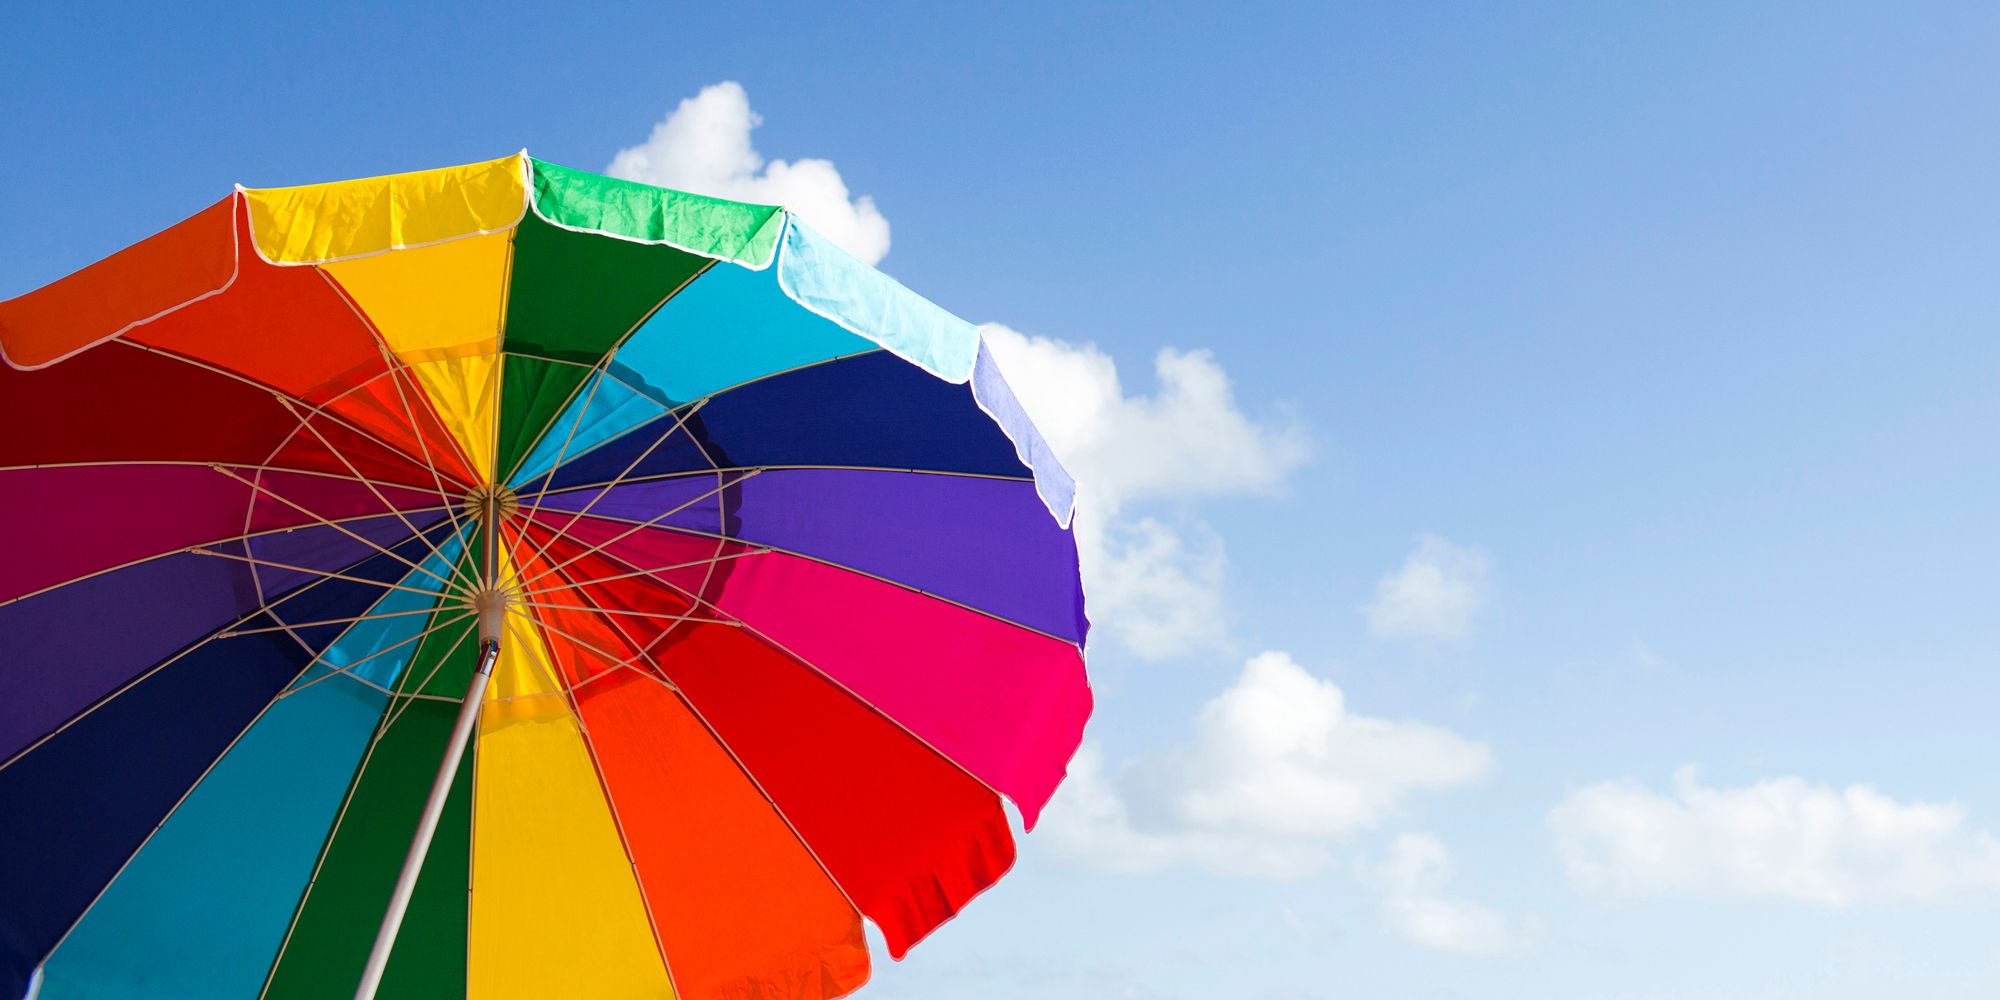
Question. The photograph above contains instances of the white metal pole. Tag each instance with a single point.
(492, 605)
(420, 843)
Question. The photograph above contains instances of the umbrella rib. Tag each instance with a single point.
(612, 660)
(691, 473)
(629, 532)
(395, 365)
(291, 629)
(337, 453)
(611, 804)
(650, 572)
(658, 676)
(602, 366)
(626, 662)
(179, 551)
(582, 595)
(354, 620)
(661, 615)
(269, 606)
(402, 700)
(164, 818)
(343, 529)
(306, 422)
(253, 466)
(328, 574)
(205, 771)
(547, 669)
(753, 632)
(316, 410)
(764, 547)
(398, 370)
(535, 507)
(571, 436)
(654, 574)
(497, 383)
(346, 669)
(596, 381)
(319, 863)
(705, 396)
(542, 550)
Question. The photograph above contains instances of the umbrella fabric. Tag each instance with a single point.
(794, 599)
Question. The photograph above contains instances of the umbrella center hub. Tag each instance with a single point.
(492, 604)
(506, 501)
(488, 504)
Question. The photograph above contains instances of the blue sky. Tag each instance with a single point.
(1670, 325)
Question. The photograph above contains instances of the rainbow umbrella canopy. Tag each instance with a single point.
(736, 564)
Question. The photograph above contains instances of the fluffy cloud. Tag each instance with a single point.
(1189, 439)
(1436, 594)
(1155, 585)
(1276, 772)
(1412, 880)
(704, 147)
(1781, 838)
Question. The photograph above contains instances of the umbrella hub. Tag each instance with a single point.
(489, 504)
(492, 603)
(504, 500)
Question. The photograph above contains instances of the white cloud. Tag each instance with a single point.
(1781, 838)
(1277, 771)
(1412, 881)
(1154, 585)
(704, 147)
(1188, 439)
(1157, 588)
(1435, 595)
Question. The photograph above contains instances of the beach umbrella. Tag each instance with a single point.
(505, 580)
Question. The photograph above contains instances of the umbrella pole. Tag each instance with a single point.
(491, 603)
